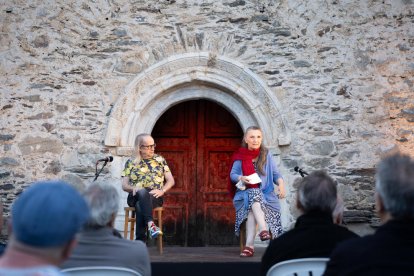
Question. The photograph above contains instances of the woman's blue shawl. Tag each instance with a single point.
(272, 175)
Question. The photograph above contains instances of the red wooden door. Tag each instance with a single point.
(197, 138)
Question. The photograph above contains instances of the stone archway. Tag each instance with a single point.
(195, 76)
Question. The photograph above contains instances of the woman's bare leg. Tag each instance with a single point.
(259, 216)
(250, 230)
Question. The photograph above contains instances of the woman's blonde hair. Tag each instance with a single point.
(261, 160)
(137, 144)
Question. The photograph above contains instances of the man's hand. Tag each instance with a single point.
(135, 190)
(157, 193)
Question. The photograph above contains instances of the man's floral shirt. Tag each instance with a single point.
(148, 173)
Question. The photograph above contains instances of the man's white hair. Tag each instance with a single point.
(103, 202)
(395, 185)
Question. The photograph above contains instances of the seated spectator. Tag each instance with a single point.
(390, 251)
(2, 245)
(98, 245)
(44, 221)
(314, 234)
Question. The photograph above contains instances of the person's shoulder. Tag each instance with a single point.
(158, 157)
(285, 238)
(128, 161)
(138, 249)
(355, 243)
(132, 253)
(346, 231)
(135, 245)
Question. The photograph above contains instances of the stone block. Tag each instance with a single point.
(8, 161)
(37, 145)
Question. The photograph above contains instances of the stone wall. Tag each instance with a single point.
(341, 70)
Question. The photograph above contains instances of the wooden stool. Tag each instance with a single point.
(157, 213)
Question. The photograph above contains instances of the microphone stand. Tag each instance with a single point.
(96, 169)
(300, 171)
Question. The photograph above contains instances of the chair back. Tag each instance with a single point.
(100, 270)
(299, 267)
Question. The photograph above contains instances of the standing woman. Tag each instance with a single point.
(255, 199)
(146, 178)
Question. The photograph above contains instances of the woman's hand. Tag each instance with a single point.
(282, 192)
(157, 193)
(244, 179)
(281, 186)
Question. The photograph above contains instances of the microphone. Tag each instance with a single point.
(106, 159)
(299, 170)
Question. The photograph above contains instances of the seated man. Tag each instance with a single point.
(390, 251)
(314, 234)
(44, 221)
(97, 243)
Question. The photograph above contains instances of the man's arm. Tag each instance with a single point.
(128, 188)
(169, 183)
(125, 184)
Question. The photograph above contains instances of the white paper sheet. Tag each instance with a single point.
(254, 178)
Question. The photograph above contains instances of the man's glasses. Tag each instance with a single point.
(148, 147)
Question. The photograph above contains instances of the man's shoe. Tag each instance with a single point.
(154, 231)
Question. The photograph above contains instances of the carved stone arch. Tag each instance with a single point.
(195, 76)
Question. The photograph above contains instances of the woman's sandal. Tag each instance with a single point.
(247, 252)
(265, 235)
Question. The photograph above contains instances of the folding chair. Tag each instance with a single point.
(100, 271)
(299, 267)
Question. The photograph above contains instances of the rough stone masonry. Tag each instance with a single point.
(341, 70)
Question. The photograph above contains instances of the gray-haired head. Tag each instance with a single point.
(103, 202)
(395, 185)
(317, 192)
(139, 140)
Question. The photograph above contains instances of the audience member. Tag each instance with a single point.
(314, 234)
(390, 251)
(97, 243)
(2, 245)
(44, 221)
